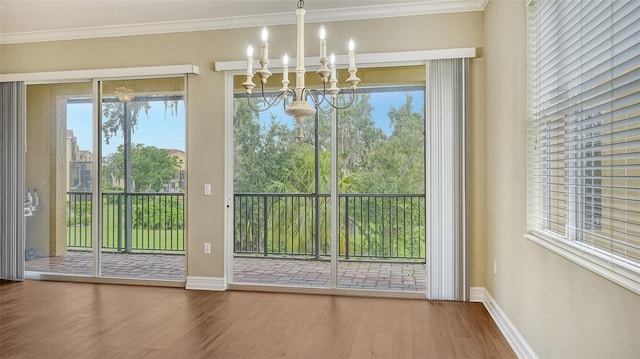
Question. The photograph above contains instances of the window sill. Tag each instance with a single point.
(619, 273)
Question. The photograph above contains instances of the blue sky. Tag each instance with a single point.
(155, 130)
(382, 102)
(169, 131)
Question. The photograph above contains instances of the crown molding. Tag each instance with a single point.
(328, 15)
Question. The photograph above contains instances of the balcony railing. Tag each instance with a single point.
(156, 221)
(372, 226)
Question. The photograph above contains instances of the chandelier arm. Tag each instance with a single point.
(281, 97)
(275, 101)
(267, 104)
(328, 111)
(353, 98)
(290, 91)
(256, 109)
(317, 96)
(284, 95)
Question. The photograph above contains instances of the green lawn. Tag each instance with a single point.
(143, 240)
(79, 236)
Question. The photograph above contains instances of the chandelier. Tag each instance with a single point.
(299, 107)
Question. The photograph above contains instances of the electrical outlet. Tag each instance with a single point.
(207, 189)
(495, 266)
(207, 248)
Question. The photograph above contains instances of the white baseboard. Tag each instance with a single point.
(206, 283)
(477, 294)
(510, 332)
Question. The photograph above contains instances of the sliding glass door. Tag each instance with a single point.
(142, 182)
(381, 191)
(282, 190)
(281, 200)
(58, 178)
(128, 221)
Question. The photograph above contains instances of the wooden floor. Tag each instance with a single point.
(74, 320)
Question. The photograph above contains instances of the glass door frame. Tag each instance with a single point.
(377, 60)
(94, 76)
(97, 190)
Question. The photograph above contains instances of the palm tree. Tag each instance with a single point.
(292, 213)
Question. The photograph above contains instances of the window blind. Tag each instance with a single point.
(12, 153)
(448, 186)
(584, 127)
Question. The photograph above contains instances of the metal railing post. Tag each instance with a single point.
(346, 222)
(119, 221)
(317, 182)
(265, 229)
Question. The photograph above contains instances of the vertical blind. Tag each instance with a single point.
(12, 146)
(584, 150)
(448, 186)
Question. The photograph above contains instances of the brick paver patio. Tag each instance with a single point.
(314, 273)
(120, 265)
(247, 270)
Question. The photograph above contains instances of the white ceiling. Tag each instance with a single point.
(48, 20)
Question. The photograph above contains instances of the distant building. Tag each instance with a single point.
(178, 181)
(79, 165)
(80, 168)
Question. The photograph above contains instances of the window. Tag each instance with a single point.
(584, 131)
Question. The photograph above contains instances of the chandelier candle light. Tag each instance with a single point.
(299, 107)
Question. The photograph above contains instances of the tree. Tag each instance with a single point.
(114, 115)
(152, 168)
(357, 133)
(260, 152)
(268, 158)
(396, 165)
(264, 153)
(298, 175)
(393, 165)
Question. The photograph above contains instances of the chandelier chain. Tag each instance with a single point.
(300, 4)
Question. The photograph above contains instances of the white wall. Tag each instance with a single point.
(562, 309)
(205, 127)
